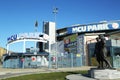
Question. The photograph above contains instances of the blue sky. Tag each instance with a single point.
(19, 16)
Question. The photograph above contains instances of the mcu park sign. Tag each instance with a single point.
(23, 37)
(28, 36)
(94, 27)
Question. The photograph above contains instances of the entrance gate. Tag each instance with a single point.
(68, 60)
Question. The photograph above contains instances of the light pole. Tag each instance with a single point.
(55, 11)
(36, 28)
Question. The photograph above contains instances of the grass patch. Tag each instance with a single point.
(46, 76)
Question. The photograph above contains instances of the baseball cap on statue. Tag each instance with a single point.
(101, 36)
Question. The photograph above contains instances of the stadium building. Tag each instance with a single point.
(71, 46)
(80, 41)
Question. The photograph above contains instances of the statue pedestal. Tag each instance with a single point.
(104, 73)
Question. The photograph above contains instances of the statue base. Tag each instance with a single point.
(104, 73)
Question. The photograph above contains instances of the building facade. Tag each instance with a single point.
(49, 29)
(2, 51)
(86, 35)
(69, 46)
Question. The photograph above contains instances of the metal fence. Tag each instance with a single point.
(115, 51)
(26, 62)
(51, 61)
(68, 60)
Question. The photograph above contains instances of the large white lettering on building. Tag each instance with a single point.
(87, 28)
(79, 29)
(97, 27)
(28, 36)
